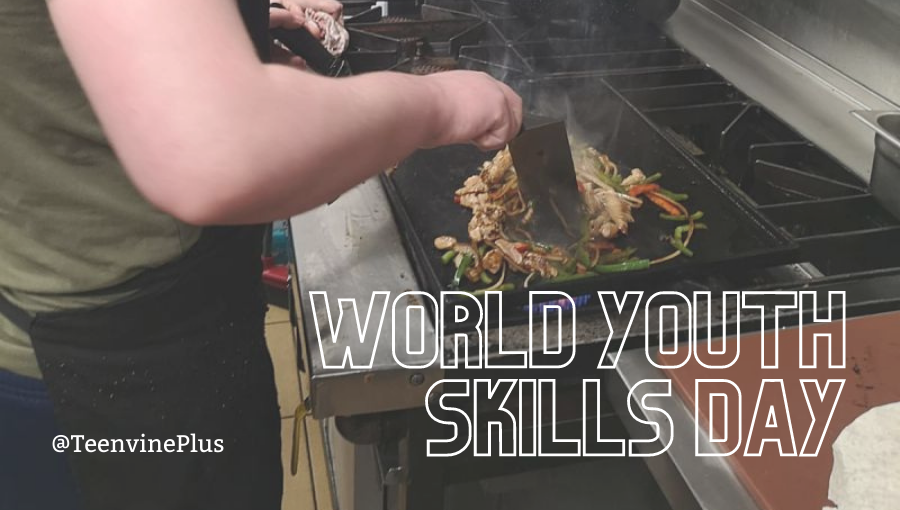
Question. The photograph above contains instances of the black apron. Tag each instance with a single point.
(186, 363)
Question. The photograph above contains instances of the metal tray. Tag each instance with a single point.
(421, 193)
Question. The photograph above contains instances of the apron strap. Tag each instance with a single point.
(213, 241)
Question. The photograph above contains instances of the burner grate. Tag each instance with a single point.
(432, 36)
(422, 66)
(826, 208)
(425, 70)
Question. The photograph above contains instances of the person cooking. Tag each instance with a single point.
(142, 143)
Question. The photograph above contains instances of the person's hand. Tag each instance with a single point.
(476, 109)
(295, 14)
(285, 18)
(298, 8)
(332, 7)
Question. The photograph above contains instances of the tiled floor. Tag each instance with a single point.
(298, 489)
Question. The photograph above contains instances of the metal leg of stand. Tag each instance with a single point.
(424, 487)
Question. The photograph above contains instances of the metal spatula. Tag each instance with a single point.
(543, 161)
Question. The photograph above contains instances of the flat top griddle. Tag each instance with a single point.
(421, 192)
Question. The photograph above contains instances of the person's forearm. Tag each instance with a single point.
(212, 136)
(293, 151)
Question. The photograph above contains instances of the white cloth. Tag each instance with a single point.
(866, 471)
(336, 36)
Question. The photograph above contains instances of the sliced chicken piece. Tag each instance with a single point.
(445, 243)
(473, 184)
(495, 171)
(636, 177)
(474, 200)
(492, 261)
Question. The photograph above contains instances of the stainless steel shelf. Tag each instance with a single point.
(802, 90)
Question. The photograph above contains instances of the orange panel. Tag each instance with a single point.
(873, 379)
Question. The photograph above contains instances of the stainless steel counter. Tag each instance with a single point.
(857, 37)
(351, 249)
(806, 92)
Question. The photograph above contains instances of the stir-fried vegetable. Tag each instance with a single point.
(502, 288)
(563, 277)
(653, 178)
(582, 257)
(611, 182)
(641, 189)
(500, 241)
(679, 245)
(461, 271)
(616, 257)
(664, 203)
(624, 267)
(696, 217)
(678, 197)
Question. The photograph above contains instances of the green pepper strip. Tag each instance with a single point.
(503, 288)
(610, 181)
(485, 279)
(678, 197)
(448, 257)
(461, 270)
(696, 216)
(624, 267)
(679, 245)
(562, 278)
(616, 257)
(583, 258)
(653, 178)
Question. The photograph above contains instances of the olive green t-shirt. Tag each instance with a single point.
(71, 223)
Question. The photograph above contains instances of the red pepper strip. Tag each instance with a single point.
(580, 187)
(522, 247)
(640, 189)
(664, 204)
